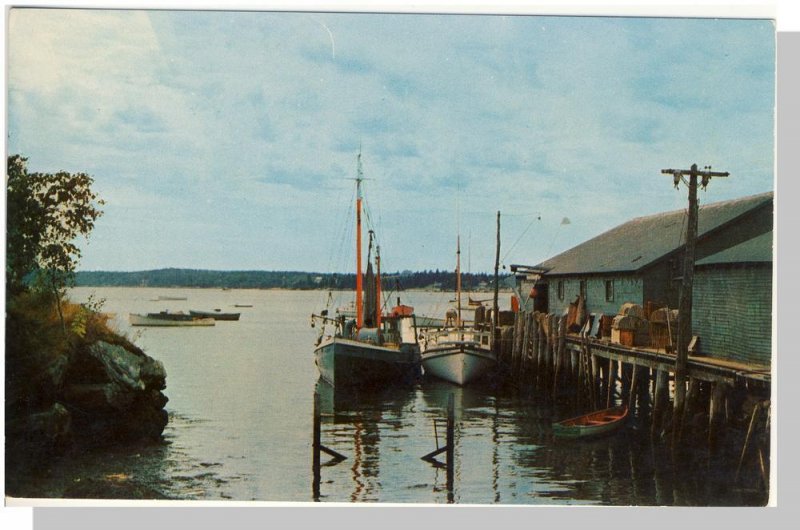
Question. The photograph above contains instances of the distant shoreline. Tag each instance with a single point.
(437, 280)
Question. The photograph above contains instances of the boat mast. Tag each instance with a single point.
(378, 286)
(458, 279)
(359, 285)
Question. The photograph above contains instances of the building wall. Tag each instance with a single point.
(626, 289)
(732, 312)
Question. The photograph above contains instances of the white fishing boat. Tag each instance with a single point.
(458, 352)
(367, 348)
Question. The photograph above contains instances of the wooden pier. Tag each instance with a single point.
(539, 354)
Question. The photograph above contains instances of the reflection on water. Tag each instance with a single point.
(504, 453)
(241, 423)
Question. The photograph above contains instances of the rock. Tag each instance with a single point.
(51, 425)
(122, 367)
(100, 397)
(119, 402)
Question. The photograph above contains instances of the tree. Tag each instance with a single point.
(46, 212)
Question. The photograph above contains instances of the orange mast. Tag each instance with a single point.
(359, 285)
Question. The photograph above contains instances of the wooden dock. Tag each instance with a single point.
(538, 353)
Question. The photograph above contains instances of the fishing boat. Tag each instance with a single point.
(593, 424)
(165, 318)
(459, 352)
(216, 314)
(370, 347)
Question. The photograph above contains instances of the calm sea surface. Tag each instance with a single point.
(241, 400)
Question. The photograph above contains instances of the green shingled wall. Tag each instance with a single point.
(732, 312)
(627, 288)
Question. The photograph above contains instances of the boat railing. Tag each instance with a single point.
(466, 335)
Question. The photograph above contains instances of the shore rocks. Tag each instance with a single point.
(99, 394)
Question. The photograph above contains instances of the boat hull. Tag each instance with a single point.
(459, 363)
(591, 425)
(346, 362)
(215, 315)
(143, 320)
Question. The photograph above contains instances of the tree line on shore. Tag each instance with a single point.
(254, 279)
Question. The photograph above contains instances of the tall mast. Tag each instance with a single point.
(359, 284)
(458, 279)
(378, 286)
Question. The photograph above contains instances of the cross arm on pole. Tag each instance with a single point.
(705, 174)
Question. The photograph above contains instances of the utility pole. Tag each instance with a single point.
(685, 304)
(496, 305)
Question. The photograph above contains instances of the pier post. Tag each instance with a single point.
(689, 408)
(519, 326)
(562, 347)
(751, 429)
(626, 379)
(537, 336)
(716, 412)
(611, 378)
(528, 336)
(315, 446)
(660, 402)
(551, 348)
(318, 448)
(644, 389)
(594, 376)
(450, 447)
(632, 390)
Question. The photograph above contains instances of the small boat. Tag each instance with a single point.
(162, 298)
(367, 348)
(592, 424)
(242, 305)
(165, 318)
(216, 314)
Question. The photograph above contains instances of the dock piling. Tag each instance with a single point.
(317, 447)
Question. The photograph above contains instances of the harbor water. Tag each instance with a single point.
(241, 398)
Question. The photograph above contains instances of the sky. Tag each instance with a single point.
(229, 140)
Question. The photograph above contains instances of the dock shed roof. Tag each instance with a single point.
(642, 241)
(755, 250)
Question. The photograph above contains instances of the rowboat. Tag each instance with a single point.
(593, 424)
(216, 314)
(168, 319)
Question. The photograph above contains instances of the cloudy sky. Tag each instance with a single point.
(225, 140)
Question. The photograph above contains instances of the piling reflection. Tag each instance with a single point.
(354, 421)
(504, 452)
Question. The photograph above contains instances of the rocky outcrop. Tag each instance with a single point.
(97, 394)
(114, 394)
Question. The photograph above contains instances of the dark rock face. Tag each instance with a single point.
(99, 394)
(122, 401)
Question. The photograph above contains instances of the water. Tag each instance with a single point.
(241, 421)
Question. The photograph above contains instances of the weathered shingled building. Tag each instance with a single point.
(641, 261)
